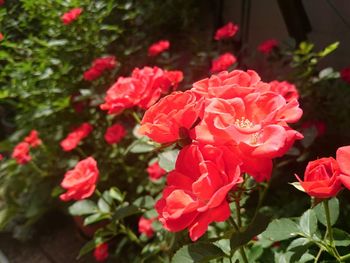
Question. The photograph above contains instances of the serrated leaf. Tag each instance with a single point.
(197, 253)
(167, 160)
(333, 211)
(281, 229)
(83, 207)
(308, 222)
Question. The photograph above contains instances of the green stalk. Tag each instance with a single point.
(329, 225)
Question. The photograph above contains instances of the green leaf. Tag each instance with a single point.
(82, 207)
(329, 49)
(308, 222)
(167, 160)
(116, 194)
(140, 146)
(333, 210)
(197, 253)
(254, 228)
(105, 202)
(146, 202)
(95, 218)
(89, 246)
(302, 241)
(281, 229)
(125, 212)
(341, 238)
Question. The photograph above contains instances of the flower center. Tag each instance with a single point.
(243, 123)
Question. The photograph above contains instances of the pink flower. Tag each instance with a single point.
(21, 153)
(155, 172)
(223, 62)
(80, 182)
(286, 89)
(158, 47)
(227, 31)
(72, 140)
(145, 226)
(71, 15)
(101, 252)
(115, 133)
(175, 77)
(345, 74)
(33, 139)
(196, 191)
(267, 46)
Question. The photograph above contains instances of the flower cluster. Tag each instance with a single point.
(231, 123)
(98, 66)
(143, 88)
(21, 151)
(73, 138)
(325, 177)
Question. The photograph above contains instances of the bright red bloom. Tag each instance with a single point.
(2, 2)
(115, 133)
(267, 46)
(33, 139)
(145, 226)
(158, 47)
(172, 117)
(227, 31)
(155, 172)
(1, 37)
(223, 62)
(100, 65)
(343, 159)
(72, 140)
(175, 77)
(71, 15)
(319, 125)
(345, 74)
(80, 181)
(142, 89)
(321, 178)
(21, 153)
(1, 157)
(196, 191)
(286, 89)
(101, 252)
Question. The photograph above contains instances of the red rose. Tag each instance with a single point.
(143, 89)
(115, 133)
(267, 46)
(21, 153)
(33, 139)
(158, 47)
(196, 191)
(173, 114)
(72, 140)
(223, 62)
(92, 74)
(71, 15)
(100, 65)
(145, 226)
(343, 159)
(1, 157)
(345, 74)
(1, 37)
(80, 181)
(175, 77)
(155, 172)
(321, 178)
(101, 252)
(286, 89)
(227, 31)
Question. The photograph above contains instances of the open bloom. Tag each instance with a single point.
(142, 89)
(343, 159)
(321, 178)
(227, 31)
(155, 172)
(145, 226)
(80, 182)
(100, 65)
(172, 117)
(115, 133)
(267, 46)
(223, 62)
(196, 190)
(158, 47)
(71, 15)
(284, 88)
(21, 153)
(101, 252)
(33, 139)
(72, 140)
